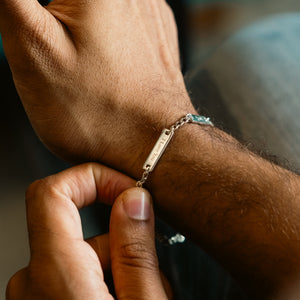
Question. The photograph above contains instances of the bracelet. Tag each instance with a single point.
(156, 154)
(163, 142)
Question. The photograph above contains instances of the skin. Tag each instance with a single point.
(104, 81)
(63, 265)
(74, 52)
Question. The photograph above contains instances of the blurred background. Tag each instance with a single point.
(203, 25)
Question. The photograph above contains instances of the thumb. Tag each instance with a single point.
(132, 244)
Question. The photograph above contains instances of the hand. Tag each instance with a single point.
(97, 78)
(63, 265)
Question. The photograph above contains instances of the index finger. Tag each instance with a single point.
(16, 13)
(52, 203)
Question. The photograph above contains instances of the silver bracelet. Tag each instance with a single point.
(163, 142)
(156, 154)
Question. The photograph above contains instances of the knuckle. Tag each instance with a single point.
(42, 189)
(34, 189)
(138, 254)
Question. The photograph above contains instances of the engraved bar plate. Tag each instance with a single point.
(158, 149)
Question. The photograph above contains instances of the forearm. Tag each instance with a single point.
(239, 207)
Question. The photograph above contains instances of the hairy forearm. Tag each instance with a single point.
(237, 206)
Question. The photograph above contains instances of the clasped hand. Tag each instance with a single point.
(63, 265)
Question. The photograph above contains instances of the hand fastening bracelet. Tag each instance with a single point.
(156, 154)
(163, 142)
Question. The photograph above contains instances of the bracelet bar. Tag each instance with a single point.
(158, 149)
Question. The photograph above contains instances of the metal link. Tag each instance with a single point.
(179, 123)
(144, 177)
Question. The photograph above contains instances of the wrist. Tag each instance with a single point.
(181, 167)
(149, 140)
(131, 145)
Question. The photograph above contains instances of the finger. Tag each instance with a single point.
(53, 202)
(16, 286)
(133, 256)
(100, 244)
(170, 28)
(18, 13)
(29, 34)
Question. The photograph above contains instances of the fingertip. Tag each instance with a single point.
(137, 204)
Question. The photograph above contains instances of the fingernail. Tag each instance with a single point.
(137, 204)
